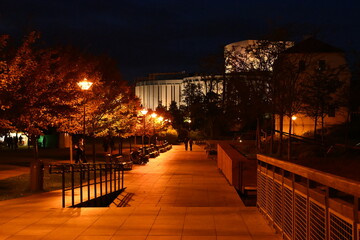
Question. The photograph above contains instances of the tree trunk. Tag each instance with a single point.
(120, 146)
(94, 149)
(281, 126)
(36, 148)
(272, 133)
(348, 120)
(322, 130)
(258, 133)
(315, 127)
(130, 143)
(71, 149)
(36, 169)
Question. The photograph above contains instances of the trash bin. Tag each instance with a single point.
(37, 176)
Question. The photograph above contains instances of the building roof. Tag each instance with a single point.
(312, 45)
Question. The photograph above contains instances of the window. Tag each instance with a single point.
(322, 65)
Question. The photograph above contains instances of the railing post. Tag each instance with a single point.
(106, 178)
(119, 176)
(95, 193)
(81, 183)
(115, 169)
(72, 186)
(100, 173)
(88, 171)
(122, 178)
(63, 185)
(110, 177)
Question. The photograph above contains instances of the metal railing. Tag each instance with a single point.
(87, 182)
(303, 203)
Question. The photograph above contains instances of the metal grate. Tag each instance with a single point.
(269, 196)
(288, 212)
(340, 229)
(259, 189)
(262, 195)
(278, 204)
(317, 221)
(300, 217)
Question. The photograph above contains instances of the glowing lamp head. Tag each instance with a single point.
(160, 119)
(144, 111)
(85, 84)
(293, 118)
(153, 115)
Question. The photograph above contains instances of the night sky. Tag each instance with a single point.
(174, 35)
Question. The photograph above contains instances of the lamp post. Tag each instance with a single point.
(143, 112)
(84, 85)
(153, 116)
(293, 118)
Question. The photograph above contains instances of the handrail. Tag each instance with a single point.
(327, 179)
(108, 177)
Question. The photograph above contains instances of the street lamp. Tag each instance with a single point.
(143, 112)
(84, 85)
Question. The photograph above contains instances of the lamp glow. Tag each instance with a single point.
(85, 84)
(144, 111)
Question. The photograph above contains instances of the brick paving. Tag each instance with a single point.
(179, 195)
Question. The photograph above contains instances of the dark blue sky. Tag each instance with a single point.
(148, 36)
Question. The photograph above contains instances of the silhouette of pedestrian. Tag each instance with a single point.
(186, 142)
(44, 142)
(190, 143)
(80, 152)
(10, 143)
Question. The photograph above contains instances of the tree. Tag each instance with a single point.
(248, 82)
(287, 92)
(321, 96)
(35, 94)
(194, 99)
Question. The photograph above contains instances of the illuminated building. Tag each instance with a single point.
(163, 88)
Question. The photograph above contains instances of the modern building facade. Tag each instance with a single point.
(317, 61)
(160, 89)
(163, 88)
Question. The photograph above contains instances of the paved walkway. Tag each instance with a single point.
(178, 196)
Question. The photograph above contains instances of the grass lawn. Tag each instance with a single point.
(18, 186)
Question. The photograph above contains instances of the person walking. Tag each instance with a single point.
(186, 142)
(190, 144)
(80, 152)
